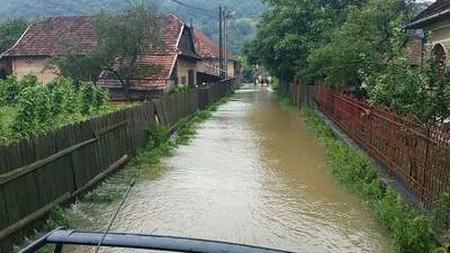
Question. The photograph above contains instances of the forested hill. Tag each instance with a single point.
(204, 17)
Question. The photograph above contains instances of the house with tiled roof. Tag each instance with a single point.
(435, 23)
(46, 38)
(209, 50)
(176, 63)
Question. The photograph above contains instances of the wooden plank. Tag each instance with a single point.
(102, 144)
(75, 156)
(134, 129)
(45, 174)
(112, 140)
(27, 152)
(160, 110)
(33, 217)
(3, 215)
(110, 128)
(87, 154)
(63, 171)
(119, 163)
(21, 196)
(129, 129)
(106, 143)
(5, 178)
(14, 156)
(3, 157)
(123, 135)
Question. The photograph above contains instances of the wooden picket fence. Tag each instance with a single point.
(40, 173)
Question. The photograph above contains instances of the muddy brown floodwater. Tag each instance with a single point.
(253, 174)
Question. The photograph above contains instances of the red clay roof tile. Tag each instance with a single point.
(58, 35)
(206, 47)
(75, 34)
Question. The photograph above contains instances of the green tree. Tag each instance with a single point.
(10, 31)
(370, 36)
(291, 30)
(122, 38)
(80, 68)
(423, 91)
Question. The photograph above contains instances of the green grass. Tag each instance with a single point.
(410, 228)
(282, 99)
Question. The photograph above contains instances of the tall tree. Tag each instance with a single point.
(289, 32)
(122, 38)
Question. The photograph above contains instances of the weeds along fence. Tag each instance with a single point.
(39, 173)
(417, 155)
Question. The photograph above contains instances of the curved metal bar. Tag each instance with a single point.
(38, 244)
(154, 242)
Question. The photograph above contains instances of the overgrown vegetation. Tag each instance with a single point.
(28, 107)
(423, 91)
(178, 88)
(58, 218)
(411, 229)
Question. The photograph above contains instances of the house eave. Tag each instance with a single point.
(428, 20)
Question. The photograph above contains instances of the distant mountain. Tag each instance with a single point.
(242, 27)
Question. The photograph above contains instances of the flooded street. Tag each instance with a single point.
(253, 174)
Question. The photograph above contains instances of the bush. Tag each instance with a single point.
(178, 88)
(157, 135)
(11, 87)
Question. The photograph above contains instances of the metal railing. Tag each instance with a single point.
(418, 155)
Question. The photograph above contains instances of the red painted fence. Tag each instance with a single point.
(417, 155)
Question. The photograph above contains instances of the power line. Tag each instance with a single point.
(192, 6)
(237, 26)
(209, 12)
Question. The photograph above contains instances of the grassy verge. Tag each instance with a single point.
(282, 99)
(410, 228)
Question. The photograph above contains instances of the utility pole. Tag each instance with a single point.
(220, 42)
(225, 31)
